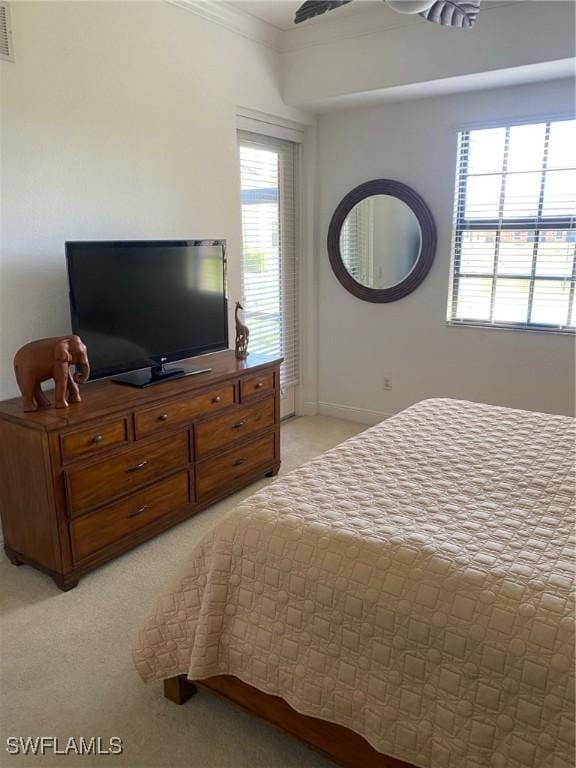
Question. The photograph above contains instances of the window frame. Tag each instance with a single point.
(532, 224)
(289, 219)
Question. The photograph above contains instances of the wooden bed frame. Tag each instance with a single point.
(342, 745)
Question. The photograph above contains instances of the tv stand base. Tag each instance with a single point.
(147, 377)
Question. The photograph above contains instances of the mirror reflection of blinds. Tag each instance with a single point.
(356, 242)
(514, 242)
(268, 177)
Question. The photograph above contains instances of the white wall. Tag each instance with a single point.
(360, 343)
(118, 121)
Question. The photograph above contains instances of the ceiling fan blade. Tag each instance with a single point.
(453, 13)
(312, 8)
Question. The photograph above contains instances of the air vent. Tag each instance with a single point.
(6, 49)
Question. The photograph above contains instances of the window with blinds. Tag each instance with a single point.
(268, 177)
(514, 243)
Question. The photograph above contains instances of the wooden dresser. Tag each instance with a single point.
(83, 484)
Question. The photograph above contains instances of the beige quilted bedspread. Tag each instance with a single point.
(414, 584)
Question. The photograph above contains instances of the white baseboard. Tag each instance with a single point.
(361, 415)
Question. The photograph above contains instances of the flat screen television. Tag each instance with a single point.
(138, 305)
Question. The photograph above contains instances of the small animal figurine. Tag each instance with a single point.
(242, 335)
(46, 359)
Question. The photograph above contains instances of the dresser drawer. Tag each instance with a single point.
(162, 417)
(221, 431)
(95, 484)
(96, 531)
(85, 442)
(254, 386)
(212, 474)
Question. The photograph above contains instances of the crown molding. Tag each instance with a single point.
(373, 20)
(328, 31)
(233, 19)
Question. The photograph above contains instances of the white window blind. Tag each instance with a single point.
(356, 242)
(514, 243)
(268, 176)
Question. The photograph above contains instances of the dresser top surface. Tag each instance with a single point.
(100, 398)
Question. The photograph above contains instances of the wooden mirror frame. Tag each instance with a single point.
(427, 249)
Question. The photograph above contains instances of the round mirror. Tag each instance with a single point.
(381, 241)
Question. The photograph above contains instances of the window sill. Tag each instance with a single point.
(515, 328)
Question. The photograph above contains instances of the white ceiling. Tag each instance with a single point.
(280, 13)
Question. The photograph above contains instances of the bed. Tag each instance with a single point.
(410, 590)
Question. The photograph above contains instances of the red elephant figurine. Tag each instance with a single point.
(46, 359)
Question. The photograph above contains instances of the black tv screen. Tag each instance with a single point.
(133, 302)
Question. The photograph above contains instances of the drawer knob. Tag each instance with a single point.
(163, 417)
(137, 512)
(97, 438)
(216, 399)
(136, 467)
(238, 462)
(259, 385)
(239, 424)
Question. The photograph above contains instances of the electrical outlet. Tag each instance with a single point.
(387, 383)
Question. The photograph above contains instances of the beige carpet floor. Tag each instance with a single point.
(66, 668)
